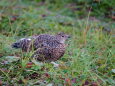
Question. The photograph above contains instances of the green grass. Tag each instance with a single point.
(90, 56)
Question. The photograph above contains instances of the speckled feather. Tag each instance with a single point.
(53, 52)
(47, 47)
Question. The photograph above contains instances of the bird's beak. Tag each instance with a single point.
(69, 36)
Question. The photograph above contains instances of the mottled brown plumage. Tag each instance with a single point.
(23, 43)
(53, 47)
(50, 53)
(47, 47)
(49, 39)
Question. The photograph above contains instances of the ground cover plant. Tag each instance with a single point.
(90, 56)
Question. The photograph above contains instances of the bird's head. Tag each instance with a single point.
(62, 37)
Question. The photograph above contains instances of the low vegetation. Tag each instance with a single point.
(90, 56)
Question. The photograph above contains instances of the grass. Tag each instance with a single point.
(89, 59)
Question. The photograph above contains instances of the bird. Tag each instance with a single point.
(47, 47)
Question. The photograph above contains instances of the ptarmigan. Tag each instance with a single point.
(47, 47)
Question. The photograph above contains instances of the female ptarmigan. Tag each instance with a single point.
(47, 47)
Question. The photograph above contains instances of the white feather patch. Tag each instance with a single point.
(29, 39)
(22, 38)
